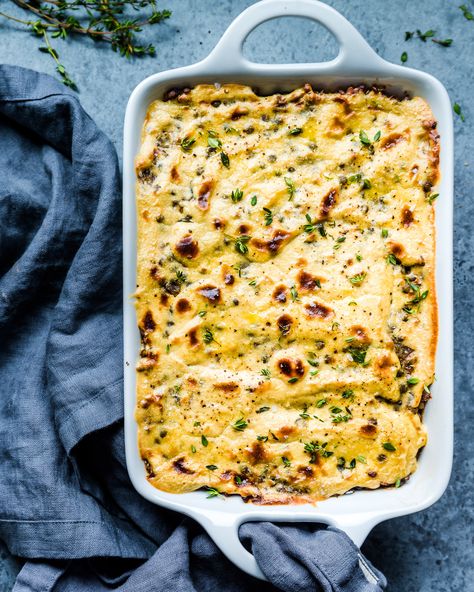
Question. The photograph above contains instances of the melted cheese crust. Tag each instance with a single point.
(285, 291)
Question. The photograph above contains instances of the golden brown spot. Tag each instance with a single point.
(368, 429)
(317, 310)
(307, 472)
(285, 432)
(307, 281)
(284, 323)
(145, 215)
(193, 339)
(360, 333)
(239, 112)
(407, 216)
(301, 262)
(384, 362)
(212, 293)
(345, 104)
(279, 237)
(279, 293)
(204, 194)
(397, 249)
(328, 202)
(290, 367)
(151, 400)
(187, 247)
(218, 223)
(174, 174)
(244, 229)
(180, 467)
(148, 322)
(256, 453)
(391, 140)
(183, 305)
(337, 127)
(227, 387)
(147, 362)
(272, 245)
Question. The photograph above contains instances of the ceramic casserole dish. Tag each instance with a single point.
(355, 64)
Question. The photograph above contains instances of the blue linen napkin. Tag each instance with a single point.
(66, 503)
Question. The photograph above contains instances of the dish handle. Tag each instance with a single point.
(223, 528)
(354, 49)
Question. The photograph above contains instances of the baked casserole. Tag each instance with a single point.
(285, 291)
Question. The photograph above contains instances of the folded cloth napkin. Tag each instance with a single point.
(66, 503)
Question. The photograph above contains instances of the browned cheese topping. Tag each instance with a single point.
(285, 290)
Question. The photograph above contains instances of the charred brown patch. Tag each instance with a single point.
(193, 338)
(360, 333)
(239, 112)
(148, 468)
(227, 387)
(244, 229)
(407, 217)
(172, 286)
(212, 293)
(256, 454)
(174, 175)
(368, 429)
(285, 432)
(148, 323)
(154, 273)
(290, 367)
(345, 104)
(397, 249)
(307, 281)
(284, 324)
(307, 472)
(229, 279)
(187, 247)
(183, 305)
(148, 360)
(180, 467)
(273, 244)
(204, 194)
(372, 474)
(280, 294)
(317, 310)
(164, 299)
(391, 140)
(328, 202)
(151, 400)
(146, 175)
(218, 223)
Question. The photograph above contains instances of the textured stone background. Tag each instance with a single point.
(430, 551)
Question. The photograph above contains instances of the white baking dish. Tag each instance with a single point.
(356, 63)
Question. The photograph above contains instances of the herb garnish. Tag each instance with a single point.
(211, 467)
(389, 446)
(263, 409)
(204, 440)
(314, 449)
(268, 216)
(208, 336)
(384, 233)
(358, 354)
(413, 380)
(241, 244)
(321, 403)
(293, 380)
(262, 438)
(213, 492)
(253, 201)
(265, 372)
(364, 138)
(404, 57)
(236, 195)
(286, 462)
(294, 294)
(186, 143)
(100, 21)
(392, 259)
(356, 280)
(213, 140)
(458, 111)
(225, 159)
(467, 13)
(290, 187)
(240, 425)
(431, 198)
(296, 131)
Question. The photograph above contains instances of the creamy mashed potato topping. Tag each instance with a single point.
(285, 291)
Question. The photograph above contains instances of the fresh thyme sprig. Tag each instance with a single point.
(104, 21)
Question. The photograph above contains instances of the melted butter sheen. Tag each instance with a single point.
(285, 290)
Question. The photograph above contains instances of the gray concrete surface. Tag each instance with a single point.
(431, 551)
